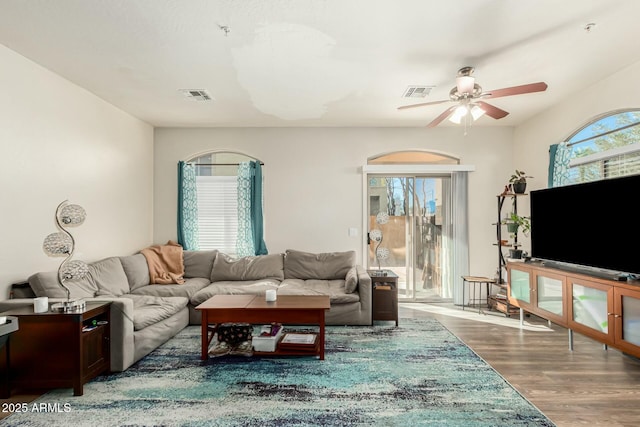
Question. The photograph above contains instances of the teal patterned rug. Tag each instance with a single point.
(417, 374)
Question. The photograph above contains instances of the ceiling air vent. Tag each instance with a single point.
(417, 91)
(197, 94)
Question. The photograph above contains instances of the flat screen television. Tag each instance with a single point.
(592, 225)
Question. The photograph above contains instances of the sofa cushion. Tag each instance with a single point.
(149, 310)
(109, 276)
(247, 268)
(189, 288)
(333, 288)
(105, 277)
(198, 263)
(351, 280)
(46, 285)
(321, 266)
(136, 269)
(232, 287)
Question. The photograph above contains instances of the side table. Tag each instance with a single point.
(384, 295)
(473, 281)
(59, 350)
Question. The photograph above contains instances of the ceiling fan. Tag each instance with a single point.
(468, 95)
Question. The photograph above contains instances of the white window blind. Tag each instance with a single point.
(218, 212)
(610, 167)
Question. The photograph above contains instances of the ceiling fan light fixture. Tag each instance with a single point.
(477, 112)
(465, 84)
(458, 114)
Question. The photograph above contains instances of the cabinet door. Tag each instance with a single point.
(548, 294)
(520, 286)
(627, 319)
(591, 308)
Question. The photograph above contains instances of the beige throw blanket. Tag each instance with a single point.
(166, 265)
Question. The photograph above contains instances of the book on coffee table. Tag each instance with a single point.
(298, 340)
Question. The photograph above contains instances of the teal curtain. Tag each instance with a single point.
(187, 206)
(244, 239)
(257, 220)
(559, 157)
(250, 240)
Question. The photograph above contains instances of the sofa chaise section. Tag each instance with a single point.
(139, 323)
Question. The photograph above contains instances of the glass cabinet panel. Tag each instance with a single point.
(520, 288)
(590, 307)
(549, 293)
(631, 320)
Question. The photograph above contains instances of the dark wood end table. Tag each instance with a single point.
(385, 295)
(51, 350)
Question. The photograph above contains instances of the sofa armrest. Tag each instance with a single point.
(364, 288)
(122, 341)
(10, 304)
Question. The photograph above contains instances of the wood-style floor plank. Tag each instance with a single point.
(588, 386)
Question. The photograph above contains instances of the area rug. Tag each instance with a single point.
(416, 374)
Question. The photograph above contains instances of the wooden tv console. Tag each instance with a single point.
(606, 310)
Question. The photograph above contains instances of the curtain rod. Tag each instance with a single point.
(218, 164)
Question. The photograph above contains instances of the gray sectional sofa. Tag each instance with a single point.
(145, 315)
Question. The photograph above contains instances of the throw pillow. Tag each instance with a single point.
(247, 268)
(198, 263)
(322, 266)
(351, 280)
(136, 269)
(109, 277)
(46, 285)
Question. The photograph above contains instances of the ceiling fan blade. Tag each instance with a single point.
(492, 111)
(516, 90)
(423, 104)
(442, 117)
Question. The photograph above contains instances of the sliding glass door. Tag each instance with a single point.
(410, 230)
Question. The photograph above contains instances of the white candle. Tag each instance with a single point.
(270, 295)
(40, 305)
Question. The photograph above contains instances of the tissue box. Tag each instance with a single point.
(267, 343)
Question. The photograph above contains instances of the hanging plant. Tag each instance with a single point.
(517, 222)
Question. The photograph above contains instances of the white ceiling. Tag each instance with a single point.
(320, 62)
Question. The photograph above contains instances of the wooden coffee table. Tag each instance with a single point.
(287, 309)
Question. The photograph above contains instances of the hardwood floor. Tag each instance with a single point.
(589, 386)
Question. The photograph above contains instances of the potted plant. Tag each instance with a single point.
(518, 181)
(517, 223)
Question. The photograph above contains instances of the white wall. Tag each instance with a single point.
(533, 138)
(57, 142)
(313, 183)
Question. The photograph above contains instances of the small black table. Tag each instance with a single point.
(384, 295)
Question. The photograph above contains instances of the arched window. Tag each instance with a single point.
(221, 222)
(607, 147)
